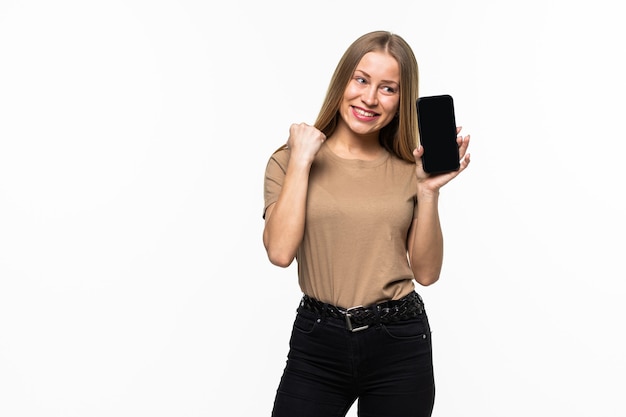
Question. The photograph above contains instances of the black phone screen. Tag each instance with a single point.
(437, 129)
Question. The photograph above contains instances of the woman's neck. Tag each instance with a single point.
(346, 144)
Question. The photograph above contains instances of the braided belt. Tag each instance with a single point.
(360, 318)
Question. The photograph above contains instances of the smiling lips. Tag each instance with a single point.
(362, 114)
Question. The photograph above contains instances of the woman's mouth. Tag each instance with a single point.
(363, 114)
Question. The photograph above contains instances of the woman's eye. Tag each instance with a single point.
(389, 90)
(360, 80)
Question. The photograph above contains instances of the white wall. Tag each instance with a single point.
(133, 140)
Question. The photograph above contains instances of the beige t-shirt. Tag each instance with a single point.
(354, 250)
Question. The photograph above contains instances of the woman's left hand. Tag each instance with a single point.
(431, 183)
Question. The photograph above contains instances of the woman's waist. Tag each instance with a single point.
(362, 317)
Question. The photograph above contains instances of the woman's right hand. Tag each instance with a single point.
(304, 141)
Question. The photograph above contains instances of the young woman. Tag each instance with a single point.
(349, 200)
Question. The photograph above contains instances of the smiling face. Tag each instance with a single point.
(372, 96)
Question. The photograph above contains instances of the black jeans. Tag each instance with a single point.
(387, 367)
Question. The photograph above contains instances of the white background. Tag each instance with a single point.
(133, 140)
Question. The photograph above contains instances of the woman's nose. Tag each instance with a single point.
(370, 96)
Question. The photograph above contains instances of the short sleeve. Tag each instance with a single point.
(274, 177)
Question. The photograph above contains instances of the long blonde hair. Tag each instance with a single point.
(400, 136)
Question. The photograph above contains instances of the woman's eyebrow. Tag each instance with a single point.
(367, 75)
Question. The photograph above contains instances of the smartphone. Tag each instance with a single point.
(437, 131)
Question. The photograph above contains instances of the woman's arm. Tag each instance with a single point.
(425, 240)
(425, 243)
(284, 220)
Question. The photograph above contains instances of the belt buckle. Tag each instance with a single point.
(349, 325)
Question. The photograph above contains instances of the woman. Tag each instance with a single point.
(349, 199)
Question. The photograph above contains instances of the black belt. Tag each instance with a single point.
(360, 318)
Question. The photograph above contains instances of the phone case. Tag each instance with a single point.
(437, 130)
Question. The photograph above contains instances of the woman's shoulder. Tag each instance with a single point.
(280, 155)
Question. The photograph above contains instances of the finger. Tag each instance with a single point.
(458, 129)
(417, 154)
(464, 162)
(463, 145)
